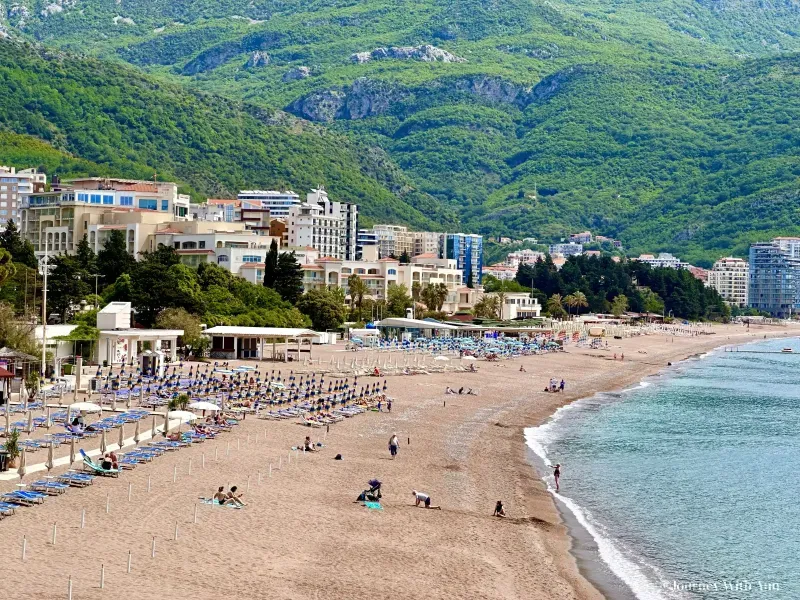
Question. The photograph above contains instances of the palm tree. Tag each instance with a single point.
(571, 302)
(555, 306)
(580, 301)
(486, 307)
(358, 289)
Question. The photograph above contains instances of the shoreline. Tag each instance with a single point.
(303, 536)
(582, 547)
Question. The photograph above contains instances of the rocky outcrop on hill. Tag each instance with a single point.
(296, 73)
(258, 58)
(424, 53)
(221, 53)
(365, 98)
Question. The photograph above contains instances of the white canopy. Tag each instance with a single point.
(260, 332)
(413, 324)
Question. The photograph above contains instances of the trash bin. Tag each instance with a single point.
(3, 461)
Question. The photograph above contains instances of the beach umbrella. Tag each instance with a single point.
(166, 423)
(22, 464)
(8, 421)
(49, 422)
(49, 463)
(136, 432)
(203, 406)
(84, 407)
(29, 426)
(103, 442)
(121, 436)
(72, 450)
(153, 430)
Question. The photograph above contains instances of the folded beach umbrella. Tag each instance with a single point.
(103, 441)
(22, 464)
(49, 462)
(121, 441)
(72, 450)
(49, 422)
(29, 426)
(136, 432)
(8, 420)
(166, 422)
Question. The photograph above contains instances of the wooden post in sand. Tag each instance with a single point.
(129, 561)
(130, 490)
(55, 528)
(69, 588)
(83, 519)
(174, 473)
(175, 538)
(102, 576)
(153, 548)
(203, 460)
(24, 547)
(108, 502)
(195, 514)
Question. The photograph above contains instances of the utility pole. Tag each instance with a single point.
(44, 310)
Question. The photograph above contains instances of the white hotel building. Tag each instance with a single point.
(730, 277)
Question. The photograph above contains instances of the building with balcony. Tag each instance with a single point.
(347, 212)
(311, 225)
(664, 260)
(566, 250)
(774, 279)
(467, 250)
(278, 203)
(15, 186)
(730, 277)
(518, 305)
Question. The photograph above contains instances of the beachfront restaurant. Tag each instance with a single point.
(410, 329)
(260, 343)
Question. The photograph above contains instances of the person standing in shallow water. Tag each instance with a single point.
(556, 474)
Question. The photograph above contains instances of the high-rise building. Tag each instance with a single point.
(15, 186)
(310, 225)
(349, 215)
(393, 240)
(774, 284)
(730, 277)
(278, 203)
(426, 242)
(467, 250)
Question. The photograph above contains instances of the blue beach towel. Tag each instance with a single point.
(373, 505)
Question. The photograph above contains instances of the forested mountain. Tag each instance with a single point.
(672, 124)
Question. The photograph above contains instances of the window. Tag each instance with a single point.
(165, 205)
(222, 258)
(108, 199)
(392, 271)
(126, 200)
(177, 245)
(201, 244)
(148, 204)
(249, 258)
(83, 197)
(95, 198)
(189, 245)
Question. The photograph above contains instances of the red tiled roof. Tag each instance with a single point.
(253, 266)
(195, 251)
(427, 255)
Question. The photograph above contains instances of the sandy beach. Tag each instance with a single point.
(302, 535)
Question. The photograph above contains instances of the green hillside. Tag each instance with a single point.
(135, 126)
(671, 124)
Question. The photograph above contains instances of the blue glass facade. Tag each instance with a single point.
(467, 251)
(774, 280)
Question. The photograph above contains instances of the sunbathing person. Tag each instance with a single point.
(220, 497)
(308, 445)
(234, 498)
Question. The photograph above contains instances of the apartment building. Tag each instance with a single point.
(663, 260)
(568, 249)
(426, 242)
(14, 187)
(501, 272)
(584, 237)
(523, 257)
(467, 250)
(310, 225)
(774, 278)
(278, 203)
(56, 221)
(730, 277)
(348, 214)
(518, 305)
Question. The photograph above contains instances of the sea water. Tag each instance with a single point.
(690, 482)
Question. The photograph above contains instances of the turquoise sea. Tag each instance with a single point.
(690, 482)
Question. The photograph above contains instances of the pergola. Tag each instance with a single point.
(235, 343)
(121, 345)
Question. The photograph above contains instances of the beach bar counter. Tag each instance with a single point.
(241, 343)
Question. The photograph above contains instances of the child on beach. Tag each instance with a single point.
(499, 511)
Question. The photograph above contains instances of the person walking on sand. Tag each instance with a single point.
(394, 444)
(556, 474)
(389, 404)
(423, 498)
(561, 386)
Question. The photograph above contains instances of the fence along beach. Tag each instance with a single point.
(301, 534)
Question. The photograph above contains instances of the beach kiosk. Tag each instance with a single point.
(400, 328)
(260, 343)
(120, 344)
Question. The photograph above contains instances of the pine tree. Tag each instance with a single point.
(87, 259)
(289, 279)
(114, 259)
(271, 265)
(470, 281)
(21, 250)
